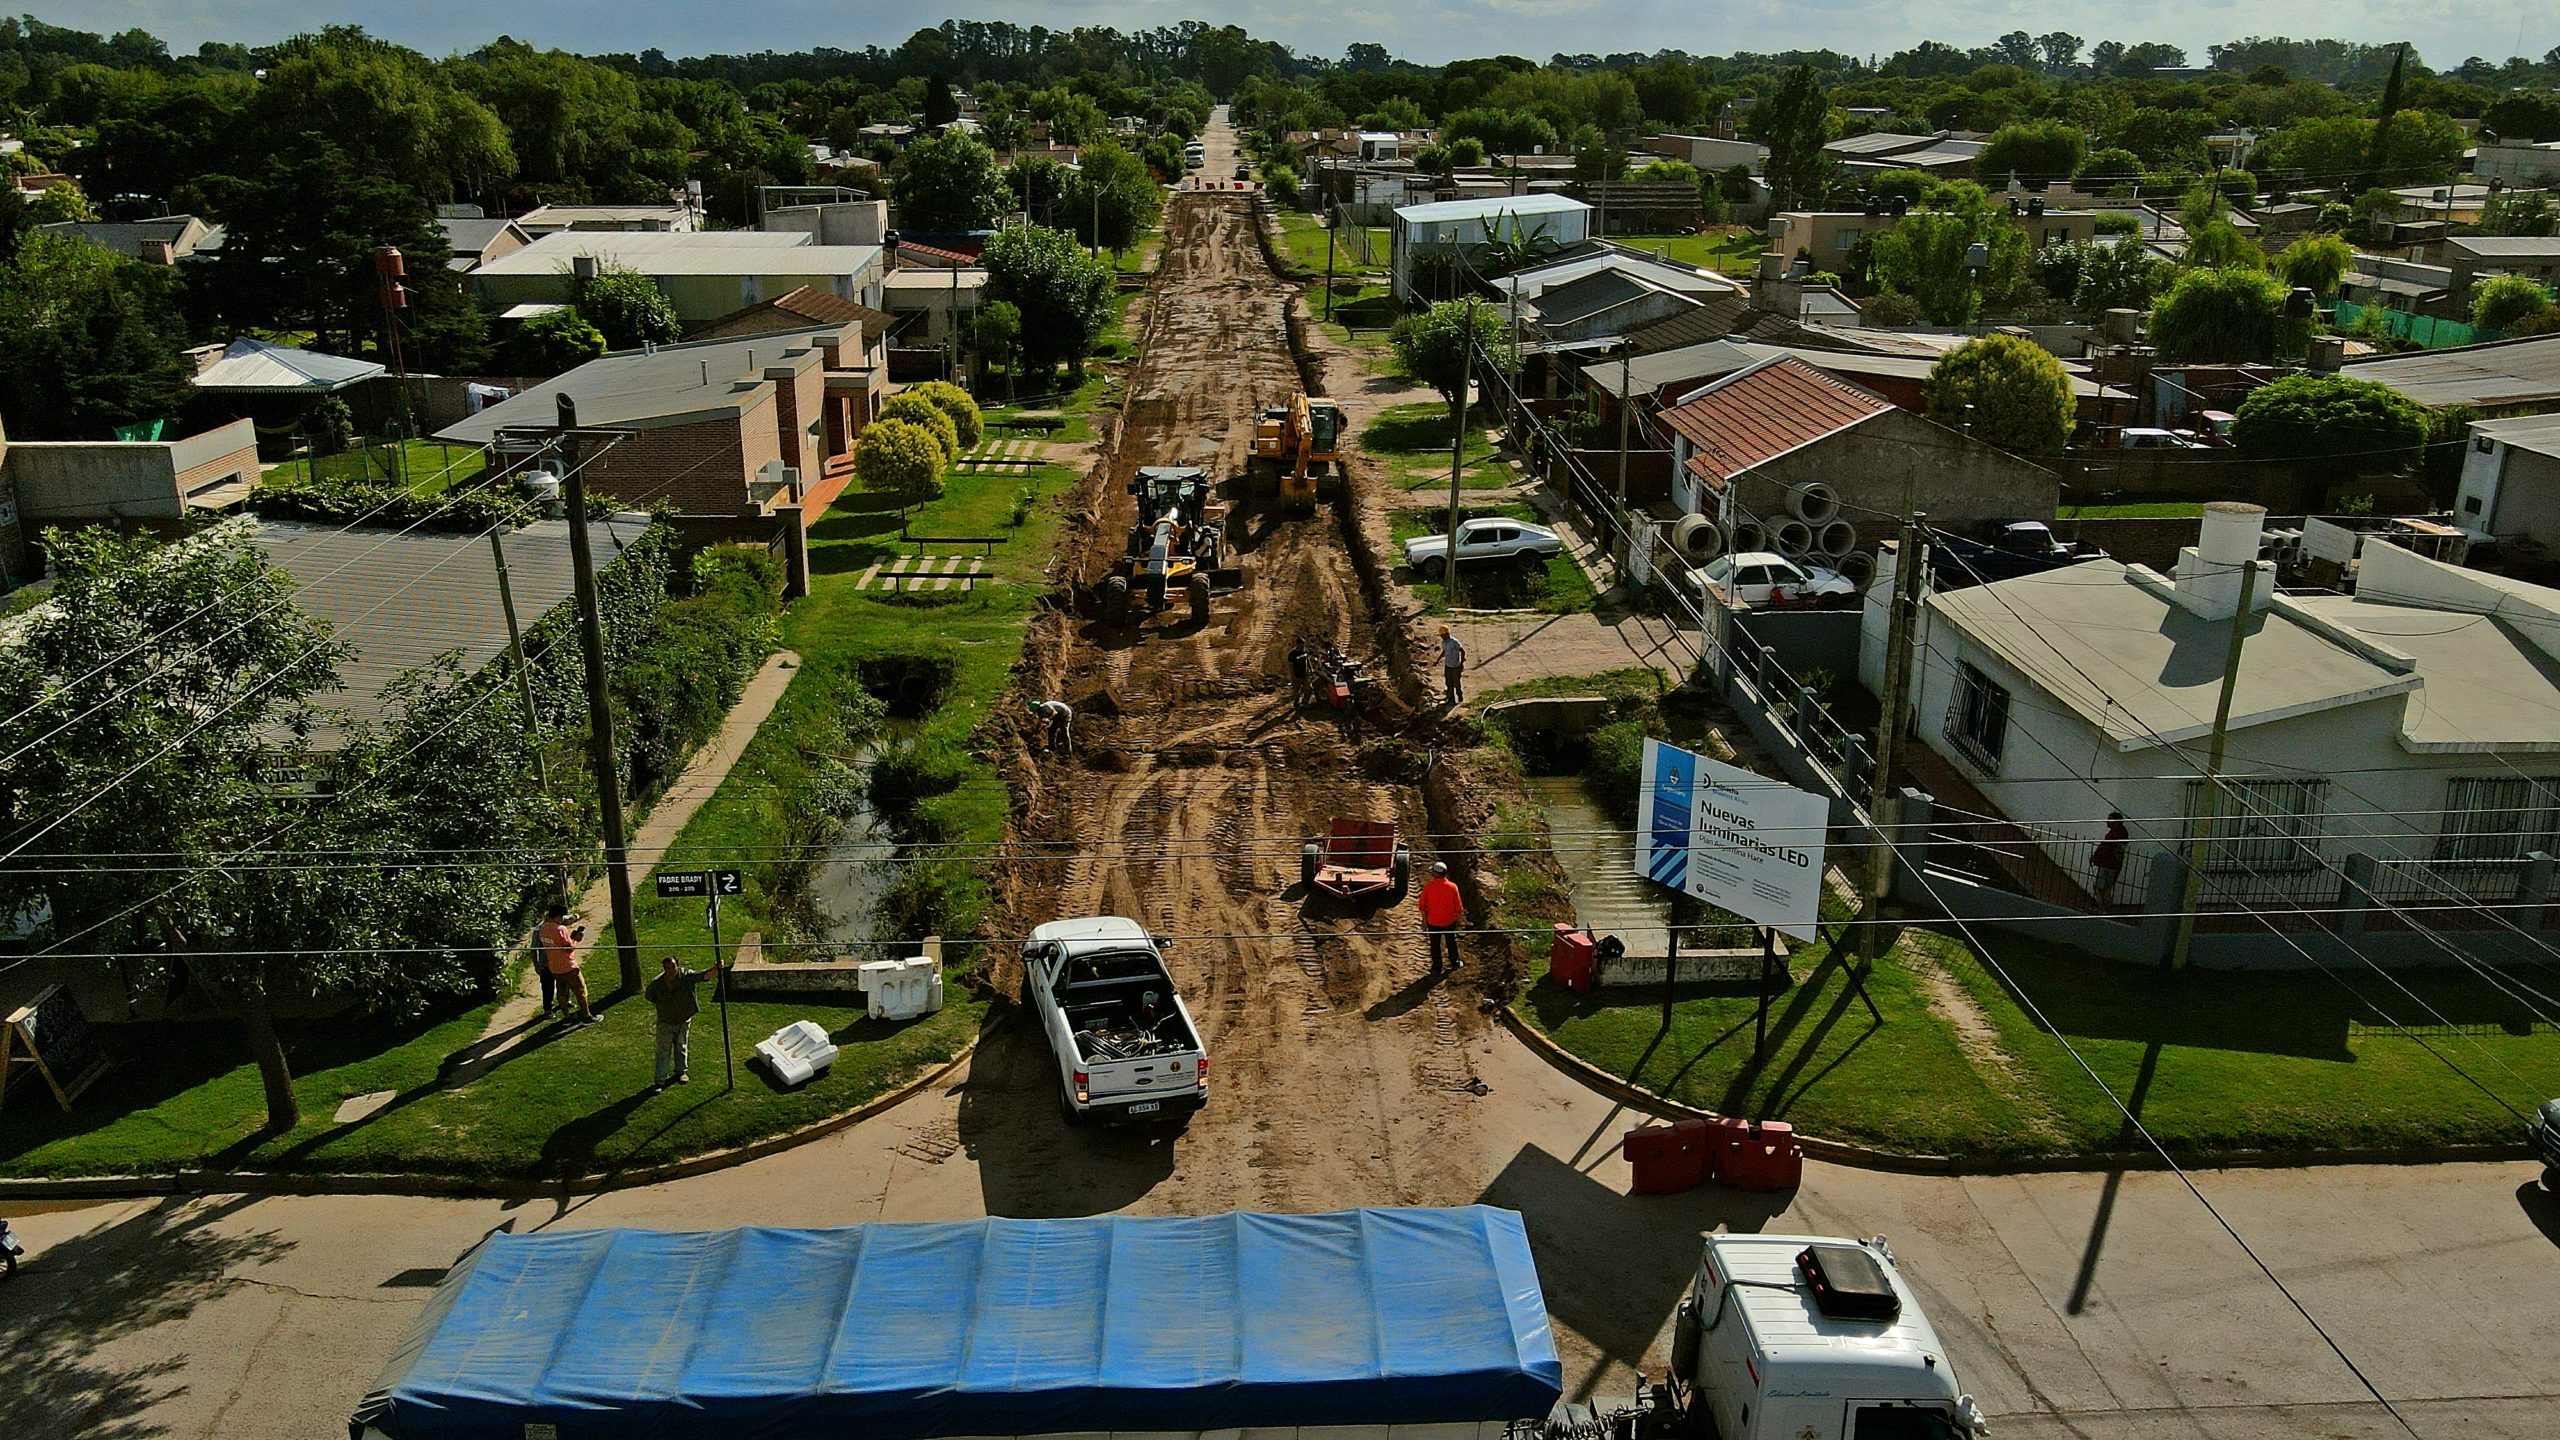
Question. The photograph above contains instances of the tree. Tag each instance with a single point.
(2343, 423)
(2318, 263)
(2519, 212)
(1396, 112)
(1929, 254)
(88, 341)
(1064, 296)
(174, 689)
(2233, 316)
(995, 335)
(552, 342)
(1282, 183)
(2384, 119)
(2122, 275)
(1501, 132)
(629, 309)
(946, 183)
(2061, 51)
(2501, 302)
(1795, 124)
(899, 458)
(1112, 188)
(1442, 346)
(1038, 186)
(955, 405)
(2525, 116)
(940, 108)
(2004, 389)
(2032, 150)
(922, 413)
(58, 203)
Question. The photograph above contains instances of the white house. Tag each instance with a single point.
(2416, 722)
(1461, 226)
(2511, 481)
(707, 274)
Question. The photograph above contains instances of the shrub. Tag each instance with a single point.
(1616, 768)
(916, 410)
(553, 341)
(2342, 422)
(2501, 302)
(898, 457)
(955, 402)
(2013, 390)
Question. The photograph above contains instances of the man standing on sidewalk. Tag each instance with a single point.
(1453, 666)
(556, 950)
(671, 994)
(1443, 911)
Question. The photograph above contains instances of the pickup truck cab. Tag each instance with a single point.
(1481, 539)
(1123, 1040)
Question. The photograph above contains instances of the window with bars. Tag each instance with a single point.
(1978, 723)
(2262, 826)
(2498, 817)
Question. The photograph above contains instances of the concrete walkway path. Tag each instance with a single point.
(657, 834)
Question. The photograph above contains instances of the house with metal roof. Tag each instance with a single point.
(163, 240)
(2502, 377)
(2510, 487)
(705, 274)
(1463, 228)
(2410, 730)
(476, 240)
(2469, 257)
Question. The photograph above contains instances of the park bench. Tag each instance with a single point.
(986, 543)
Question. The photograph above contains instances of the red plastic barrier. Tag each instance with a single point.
(1763, 1156)
(1667, 1158)
(1573, 959)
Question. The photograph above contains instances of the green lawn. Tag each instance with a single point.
(1557, 588)
(578, 1102)
(1831, 1068)
(2214, 1059)
(1733, 249)
(1303, 242)
(430, 468)
(1410, 443)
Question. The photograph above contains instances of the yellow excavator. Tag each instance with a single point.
(1293, 447)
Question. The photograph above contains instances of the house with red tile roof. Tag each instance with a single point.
(1755, 437)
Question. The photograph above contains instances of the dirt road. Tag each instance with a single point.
(1343, 1073)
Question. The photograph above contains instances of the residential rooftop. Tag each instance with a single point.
(2489, 686)
(2500, 373)
(687, 252)
(643, 389)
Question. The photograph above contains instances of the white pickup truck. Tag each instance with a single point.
(1124, 1043)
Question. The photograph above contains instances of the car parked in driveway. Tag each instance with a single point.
(1765, 577)
(1486, 538)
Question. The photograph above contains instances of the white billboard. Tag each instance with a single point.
(1739, 841)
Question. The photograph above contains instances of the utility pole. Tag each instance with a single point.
(2191, 893)
(1331, 219)
(1626, 404)
(600, 752)
(1458, 450)
(515, 646)
(1884, 806)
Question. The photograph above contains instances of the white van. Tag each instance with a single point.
(1797, 1337)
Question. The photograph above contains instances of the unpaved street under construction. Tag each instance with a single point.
(1343, 1072)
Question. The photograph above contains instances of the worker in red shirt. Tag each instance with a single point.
(1443, 911)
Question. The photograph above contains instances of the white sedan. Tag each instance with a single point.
(1764, 577)
(1480, 540)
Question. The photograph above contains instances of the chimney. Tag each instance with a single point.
(2328, 354)
(2121, 327)
(2208, 574)
(159, 252)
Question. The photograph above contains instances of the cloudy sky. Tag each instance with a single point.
(1425, 30)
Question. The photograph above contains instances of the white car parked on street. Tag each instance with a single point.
(1482, 539)
(1764, 577)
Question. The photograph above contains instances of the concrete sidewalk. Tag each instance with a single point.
(657, 834)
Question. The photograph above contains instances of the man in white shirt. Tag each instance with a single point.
(1453, 666)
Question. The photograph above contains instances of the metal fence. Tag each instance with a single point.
(2437, 894)
(1844, 755)
(2424, 331)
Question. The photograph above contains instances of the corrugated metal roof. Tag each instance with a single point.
(1759, 414)
(402, 599)
(1489, 208)
(687, 252)
(254, 367)
(2503, 372)
(642, 387)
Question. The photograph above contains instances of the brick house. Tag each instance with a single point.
(745, 438)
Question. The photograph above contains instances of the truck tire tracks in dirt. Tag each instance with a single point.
(1341, 1069)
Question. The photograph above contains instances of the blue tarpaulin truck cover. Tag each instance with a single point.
(983, 1327)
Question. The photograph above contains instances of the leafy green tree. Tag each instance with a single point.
(955, 404)
(2004, 389)
(56, 204)
(2120, 275)
(1073, 119)
(629, 309)
(948, 182)
(2233, 316)
(2341, 422)
(1436, 346)
(916, 410)
(1795, 124)
(2524, 115)
(997, 335)
(2317, 262)
(2218, 244)
(175, 691)
(1064, 296)
(1038, 186)
(899, 458)
(1282, 183)
(2500, 302)
(552, 342)
(1929, 255)
(1499, 131)
(2519, 212)
(390, 110)
(1465, 152)
(578, 129)
(2103, 170)
(2032, 150)
(1112, 188)
(88, 341)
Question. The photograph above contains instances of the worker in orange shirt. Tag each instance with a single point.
(1443, 911)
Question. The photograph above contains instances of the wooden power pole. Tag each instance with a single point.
(600, 749)
(1884, 806)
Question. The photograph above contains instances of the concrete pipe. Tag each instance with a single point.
(1857, 568)
(1814, 503)
(1837, 538)
(1697, 538)
(1794, 538)
(1748, 537)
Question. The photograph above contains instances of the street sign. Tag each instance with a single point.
(728, 882)
(1739, 841)
(683, 884)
